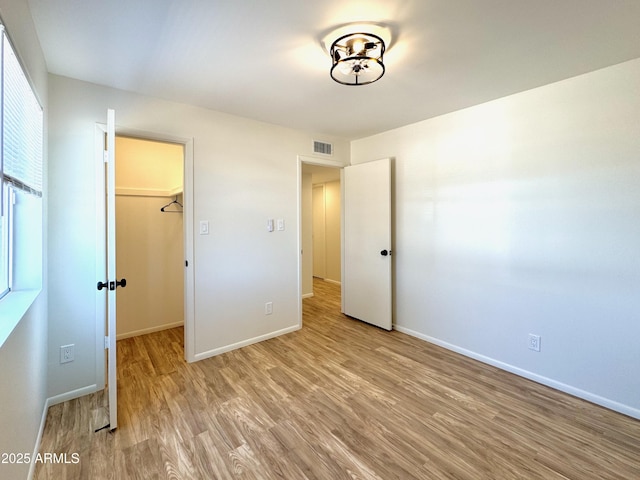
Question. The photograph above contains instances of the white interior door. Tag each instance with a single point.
(106, 260)
(111, 267)
(366, 282)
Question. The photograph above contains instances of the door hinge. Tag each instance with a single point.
(105, 145)
(106, 343)
(105, 156)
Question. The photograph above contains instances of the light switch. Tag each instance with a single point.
(270, 225)
(204, 227)
(280, 224)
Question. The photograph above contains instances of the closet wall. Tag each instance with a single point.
(149, 242)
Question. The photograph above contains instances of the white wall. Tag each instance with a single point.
(522, 215)
(245, 172)
(23, 355)
(150, 255)
(148, 167)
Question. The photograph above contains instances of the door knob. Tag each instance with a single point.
(102, 285)
(118, 283)
(384, 253)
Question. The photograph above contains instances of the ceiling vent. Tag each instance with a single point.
(322, 148)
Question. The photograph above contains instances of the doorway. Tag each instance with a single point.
(106, 323)
(366, 238)
(321, 221)
(149, 235)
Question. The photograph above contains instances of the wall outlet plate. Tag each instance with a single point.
(534, 342)
(67, 353)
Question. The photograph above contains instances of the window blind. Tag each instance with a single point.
(22, 126)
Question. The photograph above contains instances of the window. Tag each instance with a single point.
(21, 131)
(5, 241)
(4, 249)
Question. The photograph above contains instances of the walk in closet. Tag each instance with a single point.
(149, 235)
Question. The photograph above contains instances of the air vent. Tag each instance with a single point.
(323, 148)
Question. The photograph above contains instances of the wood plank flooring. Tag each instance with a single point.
(338, 399)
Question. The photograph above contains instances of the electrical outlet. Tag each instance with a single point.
(268, 308)
(534, 342)
(67, 353)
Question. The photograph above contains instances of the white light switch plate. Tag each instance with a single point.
(204, 227)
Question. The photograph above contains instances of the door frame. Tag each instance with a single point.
(189, 274)
(321, 162)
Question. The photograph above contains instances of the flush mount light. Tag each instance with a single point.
(357, 58)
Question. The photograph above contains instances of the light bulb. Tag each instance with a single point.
(358, 46)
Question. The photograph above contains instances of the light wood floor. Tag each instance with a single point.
(337, 399)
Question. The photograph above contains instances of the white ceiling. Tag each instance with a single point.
(262, 59)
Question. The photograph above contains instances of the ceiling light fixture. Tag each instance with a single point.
(357, 58)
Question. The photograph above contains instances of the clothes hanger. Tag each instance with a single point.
(171, 203)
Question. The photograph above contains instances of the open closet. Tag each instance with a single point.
(149, 235)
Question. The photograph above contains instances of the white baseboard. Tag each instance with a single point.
(77, 393)
(244, 343)
(144, 331)
(576, 392)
